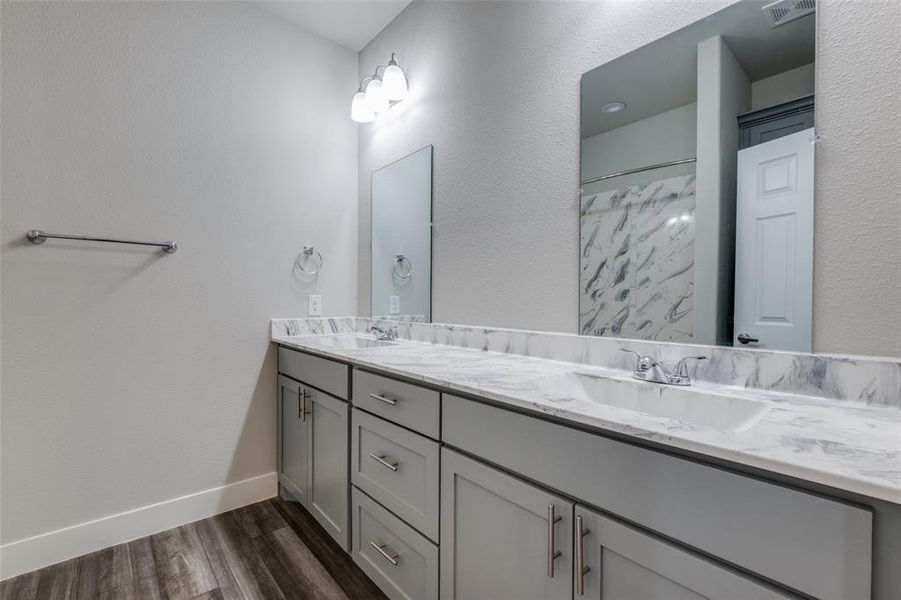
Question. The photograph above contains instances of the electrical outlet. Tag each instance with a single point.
(394, 305)
(315, 306)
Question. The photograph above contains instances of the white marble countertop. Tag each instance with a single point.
(844, 445)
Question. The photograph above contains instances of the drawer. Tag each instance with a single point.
(398, 468)
(408, 405)
(327, 375)
(399, 560)
(762, 527)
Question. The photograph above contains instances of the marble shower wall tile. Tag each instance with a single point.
(665, 261)
(637, 261)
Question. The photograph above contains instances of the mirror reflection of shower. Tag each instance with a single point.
(696, 209)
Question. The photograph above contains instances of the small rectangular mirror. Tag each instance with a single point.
(697, 174)
(402, 239)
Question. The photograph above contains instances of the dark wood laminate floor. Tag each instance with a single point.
(269, 550)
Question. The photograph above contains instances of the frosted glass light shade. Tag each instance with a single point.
(376, 97)
(394, 82)
(360, 110)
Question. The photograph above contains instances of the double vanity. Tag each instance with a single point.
(454, 462)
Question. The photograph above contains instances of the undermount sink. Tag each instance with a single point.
(350, 341)
(687, 404)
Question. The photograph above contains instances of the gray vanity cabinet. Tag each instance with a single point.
(292, 438)
(614, 561)
(327, 439)
(313, 439)
(500, 536)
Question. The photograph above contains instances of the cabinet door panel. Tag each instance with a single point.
(495, 537)
(624, 563)
(328, 472)
(292, 447)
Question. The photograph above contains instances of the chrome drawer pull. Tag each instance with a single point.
(380, 550)
(581, 569)
(303, 395)
(381, 460)
(552, 552)
(384, 399)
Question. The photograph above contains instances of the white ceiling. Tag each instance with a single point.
(663, 75)
(350, 23)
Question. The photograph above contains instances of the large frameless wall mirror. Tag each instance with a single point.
(696, 221)
(402, 238)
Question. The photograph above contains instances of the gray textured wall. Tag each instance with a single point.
(495, 87)
(131, 377)
(857, 211)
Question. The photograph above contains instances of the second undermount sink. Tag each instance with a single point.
(351, 341)
(687, 404)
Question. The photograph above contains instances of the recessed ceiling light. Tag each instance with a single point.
(613, 107)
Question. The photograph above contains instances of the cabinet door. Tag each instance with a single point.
(292, 438)
(501, 538)
(329, 483)
(618, 562)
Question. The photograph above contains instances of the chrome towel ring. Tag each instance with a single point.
(309, 262)
(402, 268)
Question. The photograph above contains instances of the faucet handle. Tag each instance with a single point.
(643, 363)
(681, 369)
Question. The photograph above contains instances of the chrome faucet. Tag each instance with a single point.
(383, 335)
(650, 369)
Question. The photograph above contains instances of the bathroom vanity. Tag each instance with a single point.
(459, 473)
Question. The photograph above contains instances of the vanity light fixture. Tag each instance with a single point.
(613, 107)
(394, 81)
(379, 91)
(376, 98)
(359, 109)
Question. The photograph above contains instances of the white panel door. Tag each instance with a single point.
(774, 244)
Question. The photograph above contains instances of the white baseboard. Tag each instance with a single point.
(55, 546)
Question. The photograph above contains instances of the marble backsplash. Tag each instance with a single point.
(870, 380)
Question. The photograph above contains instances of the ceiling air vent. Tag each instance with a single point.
(783, 11)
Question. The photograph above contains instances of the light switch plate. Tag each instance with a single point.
(315, 305)
(394, 305)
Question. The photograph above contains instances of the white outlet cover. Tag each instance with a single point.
(315, 305)
(394, 305)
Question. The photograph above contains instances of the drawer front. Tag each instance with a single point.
(408, 405)
(326, 375)
(818, 546)
(400, 561)
(398, 468)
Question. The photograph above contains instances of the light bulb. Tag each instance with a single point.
(376, 97)
(394, 82)
(359, 109)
